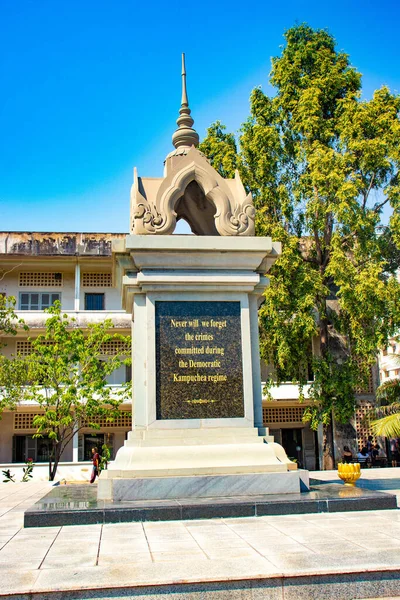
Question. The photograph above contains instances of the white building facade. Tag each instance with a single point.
(75, 268)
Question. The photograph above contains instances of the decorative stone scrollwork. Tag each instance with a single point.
(192, 190)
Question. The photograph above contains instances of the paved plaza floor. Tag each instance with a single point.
(159, 553)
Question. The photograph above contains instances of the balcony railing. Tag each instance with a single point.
(38, 318)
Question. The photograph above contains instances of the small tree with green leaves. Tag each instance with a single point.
(66, 377)
(9, 321)
(12, 375)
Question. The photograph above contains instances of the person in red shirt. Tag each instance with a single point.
(95, 460)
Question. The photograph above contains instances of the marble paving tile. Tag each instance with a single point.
(241, 520)
(391, 515)
(167, 536)
(123, 535)
(307, 538)
(262, 541)
(34, 539)
(296, 527)
(221, 535)
(207, 522)
(278, 549)
(272, 543)
(352, 534)
(163, 525)
(166, 533)
(22, 548)
(78, 535)
(371, 544)
(111, 529)
(394, 532)
(178, 556)
(239, 543)
(95, 527)
(128, 559)
(224, 553)
(280, 552)
(322, 516)
(59, 559)
(245, 533)
(125, 539)
(18, 580)
(9, 532)
(303, 563)
(120, 548)
(334, 549)
(172, 546)
(41, 531)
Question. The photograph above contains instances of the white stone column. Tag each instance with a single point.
(77, 286)
(255, 359)
(139, 361)
(75, 446)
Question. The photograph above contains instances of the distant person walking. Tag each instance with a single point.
(394, 451)
(375, 454)
(370, 445)
(95, 461)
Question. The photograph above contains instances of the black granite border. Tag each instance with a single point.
(78, 505)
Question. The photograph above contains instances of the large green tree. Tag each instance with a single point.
(322, 164)
(65, 376)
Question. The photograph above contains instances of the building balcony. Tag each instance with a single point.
(36, 319)
(287, 391)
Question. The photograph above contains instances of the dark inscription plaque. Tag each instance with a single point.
(199, 360)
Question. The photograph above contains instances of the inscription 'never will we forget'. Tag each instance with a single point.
(199, 360)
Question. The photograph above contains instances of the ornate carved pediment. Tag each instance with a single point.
(193, 190)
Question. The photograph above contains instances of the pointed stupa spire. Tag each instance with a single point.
(185, 135)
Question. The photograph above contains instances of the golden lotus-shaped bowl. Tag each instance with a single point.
(349, 473)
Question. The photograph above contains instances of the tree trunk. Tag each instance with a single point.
(328, 457)
(53, 461)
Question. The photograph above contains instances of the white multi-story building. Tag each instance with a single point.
(76, 269)
(389, 361)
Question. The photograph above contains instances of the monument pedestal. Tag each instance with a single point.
(197, 401)
(199, 463)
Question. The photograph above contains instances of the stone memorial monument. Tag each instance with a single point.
(197, 399)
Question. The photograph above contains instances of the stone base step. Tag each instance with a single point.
(201, 486)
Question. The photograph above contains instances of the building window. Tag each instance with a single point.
(94, 301)
(26, 446)
(87, 441)
(37, 300)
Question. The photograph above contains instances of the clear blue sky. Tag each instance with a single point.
(90, 89)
